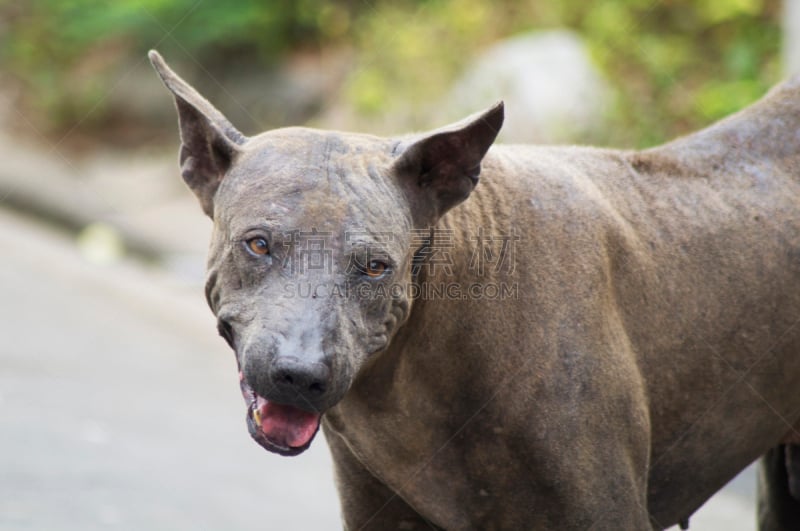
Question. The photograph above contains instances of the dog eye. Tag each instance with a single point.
(258, 246)
(376, 269)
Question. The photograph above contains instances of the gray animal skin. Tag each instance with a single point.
(614, 335)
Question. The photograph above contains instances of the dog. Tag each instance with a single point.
(587, 339)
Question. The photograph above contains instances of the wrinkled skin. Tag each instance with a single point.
(270, 302)
(649, 352)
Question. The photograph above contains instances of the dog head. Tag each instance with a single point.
(312, 247)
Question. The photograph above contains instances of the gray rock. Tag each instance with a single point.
(791, 37)
(553, 92)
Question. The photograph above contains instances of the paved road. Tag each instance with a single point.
(120, 409)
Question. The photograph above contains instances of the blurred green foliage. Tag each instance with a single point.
(67, 52)
(676, 64)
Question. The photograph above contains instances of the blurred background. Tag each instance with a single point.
(118, 405)
(72, 68)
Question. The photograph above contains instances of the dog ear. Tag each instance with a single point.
(209, 142)
(440, 170)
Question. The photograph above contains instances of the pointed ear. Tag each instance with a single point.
(209, 142)
(440, 170)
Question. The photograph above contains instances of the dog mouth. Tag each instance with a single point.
(279, 428)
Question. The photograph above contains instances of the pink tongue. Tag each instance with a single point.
(287, 426)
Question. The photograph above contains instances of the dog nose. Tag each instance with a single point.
(307, 379)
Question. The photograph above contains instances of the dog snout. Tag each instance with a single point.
(293, 370)
(293, 375)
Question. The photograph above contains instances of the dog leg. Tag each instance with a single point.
(778, 509)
